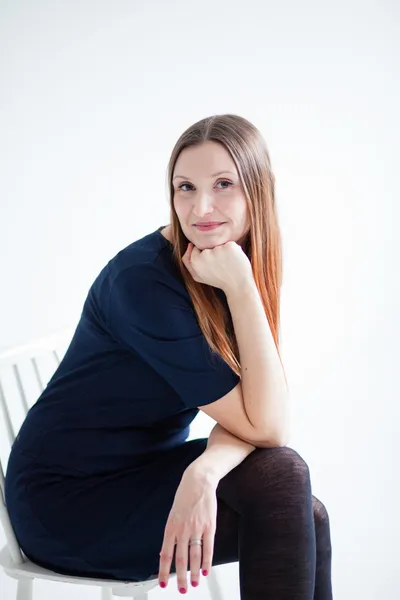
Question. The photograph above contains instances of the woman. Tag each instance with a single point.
(101, 480)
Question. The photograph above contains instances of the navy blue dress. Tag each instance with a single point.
(94, 469)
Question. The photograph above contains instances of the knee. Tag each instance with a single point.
(321, 515)
(283, 465)
(285, 461)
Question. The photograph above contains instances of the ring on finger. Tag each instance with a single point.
(196, 542)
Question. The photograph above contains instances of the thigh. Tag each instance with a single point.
(112, 524)
(226, 544)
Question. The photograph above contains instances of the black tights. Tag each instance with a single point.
(269, 521)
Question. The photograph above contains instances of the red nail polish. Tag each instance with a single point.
(163, 584)
(205, 573)
(195, 583)
(182, 590)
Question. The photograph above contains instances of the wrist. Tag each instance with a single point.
(241, 289)
(203, 472)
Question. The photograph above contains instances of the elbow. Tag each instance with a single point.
(278, 436)
(273, 442)
(276, 439)
(275, 436)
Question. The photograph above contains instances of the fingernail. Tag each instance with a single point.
(195, 583)
(182, 590)
(163, 584)
(205, 573)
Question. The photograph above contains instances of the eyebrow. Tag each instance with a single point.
(213, 175)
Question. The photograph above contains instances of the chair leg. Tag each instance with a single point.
(24, 589)
(106, 593)
(138, 595)
(214, 586)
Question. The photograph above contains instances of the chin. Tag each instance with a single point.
(209, 244)
(203, 243)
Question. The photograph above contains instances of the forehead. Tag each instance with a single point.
(204, 160)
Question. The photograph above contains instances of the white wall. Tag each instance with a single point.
(93, 97)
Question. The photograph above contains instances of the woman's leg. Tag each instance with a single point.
(226, 548)
(269, 521)
(323, 575)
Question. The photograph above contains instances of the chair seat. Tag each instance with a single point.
(30, 570)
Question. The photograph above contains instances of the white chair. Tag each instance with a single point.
(23, 373)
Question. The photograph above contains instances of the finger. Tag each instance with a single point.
(195, 561)
(187, 263)
(166, 556)
(194, 252)
(189, 250)
(181, 563)
(188, 267)
(208, 551)
(192, 258)
(186, 255)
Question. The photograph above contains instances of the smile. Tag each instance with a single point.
(208, 227)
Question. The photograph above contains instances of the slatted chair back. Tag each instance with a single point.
(24, 373)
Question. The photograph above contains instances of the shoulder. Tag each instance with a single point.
(142, 288)
(146, 262)
(145, 256)
(148, 274)
(143, 278)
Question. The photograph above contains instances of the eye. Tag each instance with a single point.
(222, 181)
(225, 181)
(182, 184)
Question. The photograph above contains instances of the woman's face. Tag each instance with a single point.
(207, 188)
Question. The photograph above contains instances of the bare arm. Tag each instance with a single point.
(224, 452)
(265, 394)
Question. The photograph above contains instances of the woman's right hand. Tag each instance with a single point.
(226, 267)
(193, 515)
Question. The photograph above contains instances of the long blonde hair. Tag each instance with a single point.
(262, 244)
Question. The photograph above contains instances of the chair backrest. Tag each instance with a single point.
(24, 373)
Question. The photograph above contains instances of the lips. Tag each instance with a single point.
(207, 226)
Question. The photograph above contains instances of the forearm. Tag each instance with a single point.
(224, 452)
(264, 389)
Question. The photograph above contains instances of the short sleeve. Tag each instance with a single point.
(150, 313)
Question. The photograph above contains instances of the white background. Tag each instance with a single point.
(94, 95)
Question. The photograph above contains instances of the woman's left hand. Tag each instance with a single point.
(193, 516)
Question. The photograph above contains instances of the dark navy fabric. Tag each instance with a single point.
(95, 466)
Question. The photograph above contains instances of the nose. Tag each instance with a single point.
(202, 205)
